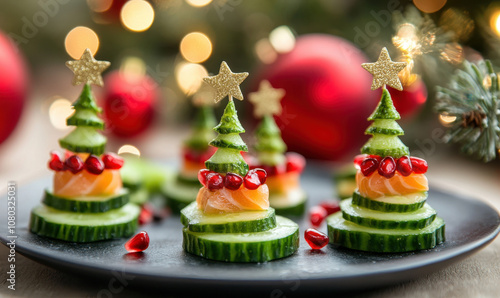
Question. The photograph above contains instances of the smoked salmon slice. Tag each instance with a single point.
(281, 183)
(376, 186)
(83, 183)
(226, 200)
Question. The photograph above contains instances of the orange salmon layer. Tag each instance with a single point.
(376, 186)
(281, 183)
(191, 168)
(226, 200)
(83, 183)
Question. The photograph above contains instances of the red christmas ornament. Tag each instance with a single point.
(411, 100)
(128, 103)
(13, 86)
(328, 96)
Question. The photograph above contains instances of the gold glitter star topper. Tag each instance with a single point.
(385, 71)
(226, 83)
(87, 70)
(266, 100)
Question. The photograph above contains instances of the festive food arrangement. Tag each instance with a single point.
(231, 219)
(388, 210)
(182, 190)
(283, 170)
(87, 201)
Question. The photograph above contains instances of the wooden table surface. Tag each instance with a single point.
(23, 159)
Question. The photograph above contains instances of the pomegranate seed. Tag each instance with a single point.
(233, 181)
(316, 239)
(368, 166)
(55, 162)
(377, 157)
(74, 163)
(331, 207)
(358, 159)
(94, 165)
(67, 154)
(202, 176)
(255, 178)
(317, 215)
(214, 181)
(112, 161)
(146, 215)
(138, 243)
(403, 166)
(387, 167)
(270, 170)
(295, 162)
(419, 165)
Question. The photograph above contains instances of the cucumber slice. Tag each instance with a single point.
(86, 204)
(385, 127)
(271, 158)
(383, 220)
(383, 145)
(139, 196)
(189, 180)
(84, 139)
(293, 203)
(279, 242)
(179, 195)
(196, 220)
(227, 160)
(82, 227)
(353, 236)
(85, 117)
(408, 203)
(230, 141)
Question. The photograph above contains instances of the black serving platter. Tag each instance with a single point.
(470, 225)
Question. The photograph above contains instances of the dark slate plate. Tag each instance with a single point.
(470, 225)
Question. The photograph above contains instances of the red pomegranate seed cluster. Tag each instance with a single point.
(215, 181)
(197, 156)
(138, 243)
(92, 164)
(294, 163)
(388, 166)
(316, 239)
(317, 214)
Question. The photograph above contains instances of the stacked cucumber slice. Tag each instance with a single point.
(248, 236)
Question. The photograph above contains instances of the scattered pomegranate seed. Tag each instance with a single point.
(55, 162)
(368, 166)
(255, 178)
(146, 215)
(94, 165)
(316, 239)
(317, 215)
(295, 162)
(387, 167)
(202, 176)
(112, 161)
(331, 207)
(233, 181)
(358, 159)
(419, 165)
(74, 163)
(214, 181)
(138, 243)
(403, 166)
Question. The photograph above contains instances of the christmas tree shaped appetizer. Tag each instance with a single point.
(182, 190)
(87, 202)
(283, 170)
(231, 219)
(388, 210)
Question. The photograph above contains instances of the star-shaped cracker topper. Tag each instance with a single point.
(385, 71)
(87, 70)
(266, 100)
(226, 83)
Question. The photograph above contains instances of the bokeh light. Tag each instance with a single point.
(59, 110)
(129, 149)
(429, 6)
(198, 3)
(133, 68)
(137, 15)
(99, 5)
(495, 22)
(447, 120)
(265, 51)
(190, 76)
(79, 39)
(282, 39)
(196, 47)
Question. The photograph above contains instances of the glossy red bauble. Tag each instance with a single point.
(411, 100)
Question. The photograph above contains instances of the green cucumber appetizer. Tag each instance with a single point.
(87, 201)
(291, 203)
(180, 195)
(388, 211)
